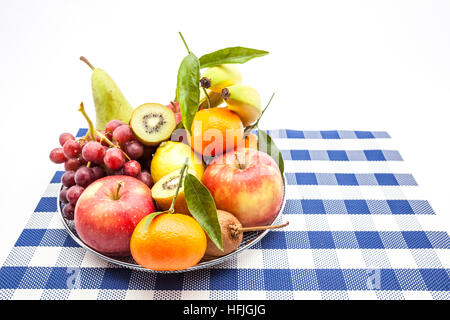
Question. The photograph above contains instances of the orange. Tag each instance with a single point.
(215, 131)
(172, 241)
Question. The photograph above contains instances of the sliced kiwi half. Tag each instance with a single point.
(152, 123)
(164, 190)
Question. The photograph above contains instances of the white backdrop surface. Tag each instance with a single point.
(350, 65)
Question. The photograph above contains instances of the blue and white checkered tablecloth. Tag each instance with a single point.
(359, 229)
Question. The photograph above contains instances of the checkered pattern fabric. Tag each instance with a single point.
(359, 229)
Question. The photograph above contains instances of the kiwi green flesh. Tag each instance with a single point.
(152, 123)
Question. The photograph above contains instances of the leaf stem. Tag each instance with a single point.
(257, 121)
(180, 181)
(185, 44)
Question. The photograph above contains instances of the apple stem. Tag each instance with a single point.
(87, 62)
(180, 181)
(259, 228)
(116, 193)
(241, 166)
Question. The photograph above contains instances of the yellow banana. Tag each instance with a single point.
(214, 98)
(243, 100)
(219, 77)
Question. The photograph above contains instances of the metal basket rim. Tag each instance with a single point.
(201, 265)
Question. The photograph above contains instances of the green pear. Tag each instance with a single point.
(109, 101)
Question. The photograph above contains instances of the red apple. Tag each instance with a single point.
(108, 211)
(248, 184)
(175, 107)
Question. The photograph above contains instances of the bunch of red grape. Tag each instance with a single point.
(86, 160)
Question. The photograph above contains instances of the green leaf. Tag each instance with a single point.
(150, 217)
(230, 55)
(188, 90)
(266, 144)
(202, 207)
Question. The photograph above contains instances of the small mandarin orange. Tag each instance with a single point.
(172, 241)
(215, 131)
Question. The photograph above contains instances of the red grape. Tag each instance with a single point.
(83, 176)
(93, 151)
(113, 125)
(72, 164)
(134, 149)
(62, 195)
(57, 155)
(73, 193)
(97, 172)
(72, 149)
(146, 178)
(132, 168)
(114, 158)
(68, 179)
(64, 137)
(123, 134)
(68, 211)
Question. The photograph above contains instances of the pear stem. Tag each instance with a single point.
(183, 168)
(185, 44)
(259, 228)
(87, 62)
(207, 98)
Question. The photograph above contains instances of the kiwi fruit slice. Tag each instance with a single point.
(152, 123)
(164, 190)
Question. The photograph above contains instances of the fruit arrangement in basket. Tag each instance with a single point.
(173, 185)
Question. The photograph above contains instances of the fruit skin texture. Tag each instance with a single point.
(254, 194)
(230, 241)
(222, 76)
(109, 101)
(243, 100)
(105, 223)
(171, 242)
(214, 131)
(170, 156)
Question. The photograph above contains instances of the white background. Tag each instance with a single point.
(355, 65)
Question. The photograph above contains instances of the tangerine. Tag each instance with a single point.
(172, 241)
(216, 130)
